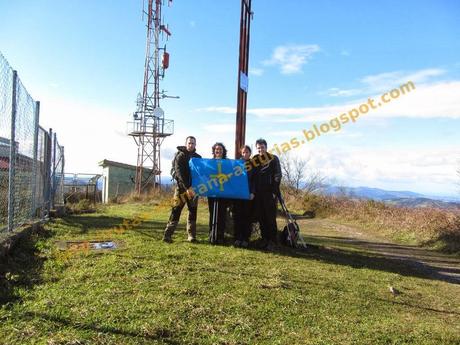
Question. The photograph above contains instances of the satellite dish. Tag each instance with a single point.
(158, 112)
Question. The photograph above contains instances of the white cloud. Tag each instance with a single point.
(192, 23)
(428, 100)
(438, 100)
(284, 134)
(422, 170)
(256, 71)
(336, 92)
(221, 110)
(89, 133)
(306, 114)
(386, 81)
(291, 58)
(220, 128)
(345, 52)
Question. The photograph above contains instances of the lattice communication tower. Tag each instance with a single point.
(149, 126)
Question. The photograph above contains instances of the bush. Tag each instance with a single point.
(84, 205)
(438, 228)
(156, 196)
(318, 205)
(75, 197)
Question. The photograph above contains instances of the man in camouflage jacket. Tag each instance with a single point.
(183, 194)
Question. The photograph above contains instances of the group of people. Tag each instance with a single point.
(264, 178)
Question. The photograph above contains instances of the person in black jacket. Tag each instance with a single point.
(183, 193)
(217, 206)
(267, 181)
(243, 209)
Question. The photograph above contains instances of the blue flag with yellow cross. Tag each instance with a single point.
(219, 178)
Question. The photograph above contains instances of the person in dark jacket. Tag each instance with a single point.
(217, 206)
(243, 209)
(183, 193)
(267, 179)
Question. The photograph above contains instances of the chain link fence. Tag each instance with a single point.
(31, 159)
(82, 186)
(6, 94)
(58, 174)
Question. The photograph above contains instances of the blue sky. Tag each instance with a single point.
(309, 61)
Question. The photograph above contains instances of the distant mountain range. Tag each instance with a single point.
(399, 198)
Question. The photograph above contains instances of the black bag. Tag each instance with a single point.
(291, 232)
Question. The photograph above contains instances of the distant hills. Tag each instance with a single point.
(398, 198)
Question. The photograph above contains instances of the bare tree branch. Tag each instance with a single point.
(296, 175)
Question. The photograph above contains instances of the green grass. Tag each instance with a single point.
(149, 292)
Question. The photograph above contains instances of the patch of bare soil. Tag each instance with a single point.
(332, 234)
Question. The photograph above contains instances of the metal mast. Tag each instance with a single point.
(245, 27)
(149, 127)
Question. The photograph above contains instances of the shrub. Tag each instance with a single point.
(439, 228)
(84, 205)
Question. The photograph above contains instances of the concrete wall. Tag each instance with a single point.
(117, 181)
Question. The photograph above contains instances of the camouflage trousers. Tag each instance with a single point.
(179, 201)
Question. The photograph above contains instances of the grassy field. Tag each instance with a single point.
(149, 292)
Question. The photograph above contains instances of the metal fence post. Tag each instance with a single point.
(62, 173)
(53, 179)
(48, 172)
(35, 162)
(12, 158)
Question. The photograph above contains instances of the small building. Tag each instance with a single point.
(22, 164)
(118, 179)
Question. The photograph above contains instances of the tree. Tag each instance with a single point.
(297, 178)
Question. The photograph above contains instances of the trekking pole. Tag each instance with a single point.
(297, 236)
(217, 222)
(284, 207)
(214, 222)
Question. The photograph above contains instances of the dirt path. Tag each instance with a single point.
(332, 234)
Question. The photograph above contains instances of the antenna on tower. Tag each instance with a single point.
(149, 127)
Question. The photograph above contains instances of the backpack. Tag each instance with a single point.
(290, 234)
(173, 169)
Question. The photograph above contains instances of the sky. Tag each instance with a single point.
(310, 61)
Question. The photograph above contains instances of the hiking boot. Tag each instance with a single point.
(191, 230)
(271, 246)
(237, 243)
(169, 231)
(244, 244)
(262, 244)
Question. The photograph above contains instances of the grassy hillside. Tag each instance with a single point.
(149, 292)
(432, 227)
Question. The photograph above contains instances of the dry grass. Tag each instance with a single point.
(75, 197)
(157, 196)
(438, 228)
(82, 206)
